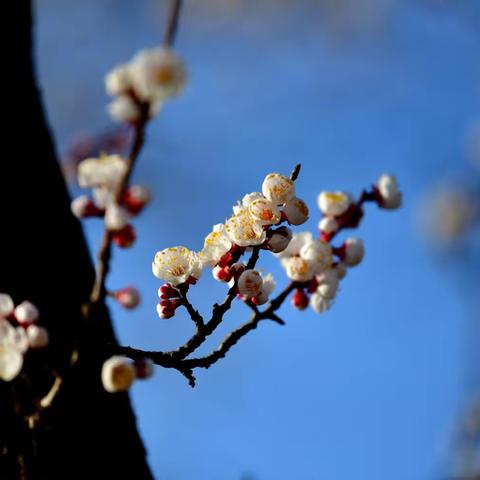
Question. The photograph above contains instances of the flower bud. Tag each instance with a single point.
(390, 195)
(124, 109)
(328, 225)
(37, 336)
(145, 368)
(125, 237)
(118, 80)
(354, 251)
(279, 240)
(222, 274)
(26, 313)
(118, 374)
(249, 283)
(165, 312)
(128, 297)
(300, 299)
(135, 198)
(166, 291)
(296, 211)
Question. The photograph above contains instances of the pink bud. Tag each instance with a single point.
(135, 198)
(128, 297)
(166, 291)
(222, 274)
(26, 313)
(300, 299)
(144, 367)
(125, 237)
(165, 312)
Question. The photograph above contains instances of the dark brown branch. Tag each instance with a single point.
(182, 364)
(194, 314)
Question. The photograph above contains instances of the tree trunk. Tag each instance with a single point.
(88, 433)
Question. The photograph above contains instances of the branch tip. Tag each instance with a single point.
(295, 172)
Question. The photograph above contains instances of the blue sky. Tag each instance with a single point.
(370, 390)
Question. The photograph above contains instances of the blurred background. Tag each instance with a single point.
(382, 386)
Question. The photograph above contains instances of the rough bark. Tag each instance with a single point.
(44, 258)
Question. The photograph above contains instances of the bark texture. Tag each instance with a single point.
(88, 433)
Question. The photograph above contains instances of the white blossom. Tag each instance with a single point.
(250, 283)
(106, 171)
(295, 245)
(334, 203)
(247, 201)
(388, 188)
(118, 374)
(264, 211)
(6, 305)
(216, 245)
(278, 188)
(354, 251)
(296, 211)
(26, 313)
(123, 109)
(116, 217)
(157, 74)
(243, 230)
(37, 336)
(319, 303)
(298, 269)
(176, 265)
(11, 352)
(103, 196)
(20, 339)
(318, 253)
(328, 283)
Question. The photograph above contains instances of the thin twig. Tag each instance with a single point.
(105, 253)
(172, 22)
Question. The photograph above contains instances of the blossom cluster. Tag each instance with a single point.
(314, 264)
(19, 332)
(256, 221)
(152, 76)
(104, 176)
